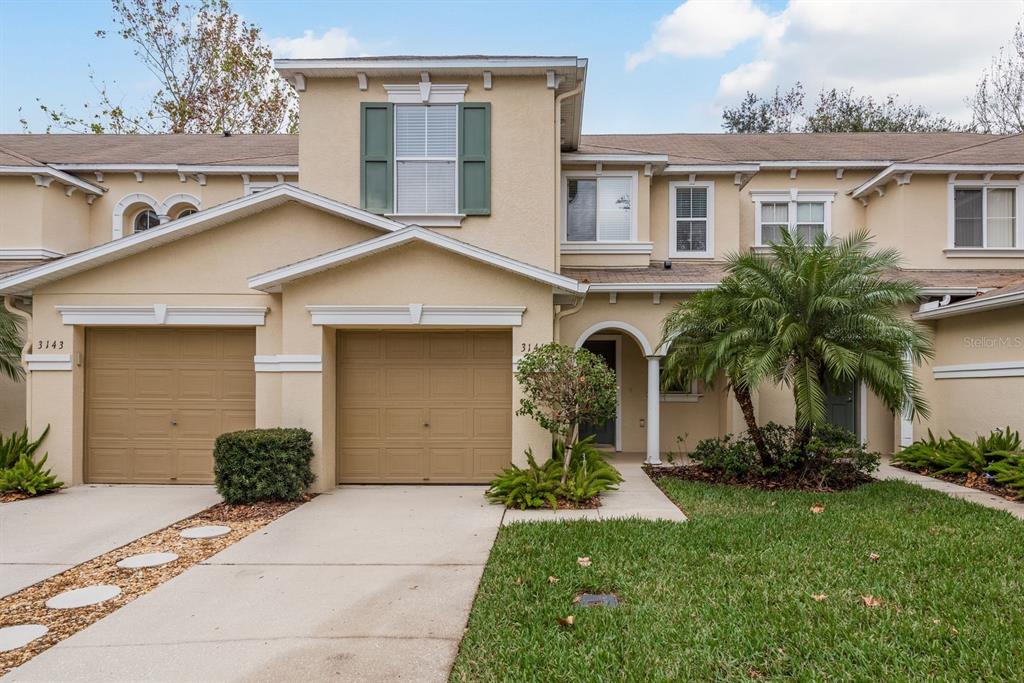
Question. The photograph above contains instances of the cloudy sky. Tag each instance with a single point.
(655, 66)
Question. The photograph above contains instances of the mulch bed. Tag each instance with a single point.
(27, 606)
(788, 482)
(11, 496)
(974, 481)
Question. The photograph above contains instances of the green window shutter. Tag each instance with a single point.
(475, 158)
(377, 157)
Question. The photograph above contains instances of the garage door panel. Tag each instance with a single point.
(433, 407)
(157, 398)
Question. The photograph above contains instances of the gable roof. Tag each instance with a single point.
(1010, 295)
(23, 281)
(272, 281)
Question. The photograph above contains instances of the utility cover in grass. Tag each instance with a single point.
(214, 531)
(13, 637)
(83, 597)
(597, 600)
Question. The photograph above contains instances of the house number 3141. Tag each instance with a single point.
(50, 344)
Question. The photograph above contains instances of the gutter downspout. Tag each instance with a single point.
(27, 317)
(558, 203)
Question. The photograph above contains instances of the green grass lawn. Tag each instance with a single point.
(728, 595)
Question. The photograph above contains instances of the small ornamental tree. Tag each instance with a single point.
(564, 388)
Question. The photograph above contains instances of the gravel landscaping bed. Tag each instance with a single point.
(27, 606)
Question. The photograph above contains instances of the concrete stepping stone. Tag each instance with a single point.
(13, 637)
(206, 531)
(147, 560)
(83, 597)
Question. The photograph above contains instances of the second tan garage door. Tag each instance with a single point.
(418, 407)
(157, 399)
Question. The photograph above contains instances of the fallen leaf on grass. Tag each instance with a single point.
(819, 597)
(552, 579)
(518, 581)
(583, 561)
(874, 557)
(871, 601)
(566, 621)
(817, 509)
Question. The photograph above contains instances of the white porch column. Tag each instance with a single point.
(906, 433)
(653, 410)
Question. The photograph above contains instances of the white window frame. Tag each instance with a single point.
(445, 219)
(709, 252)
(984, 186)
(594, 175)
(791, 197)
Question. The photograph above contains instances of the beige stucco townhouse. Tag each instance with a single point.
(375, 278)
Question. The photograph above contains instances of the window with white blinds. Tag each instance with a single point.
(599, 209)
(985, 217)
(426, 154)
(691, 214)
(804, 214)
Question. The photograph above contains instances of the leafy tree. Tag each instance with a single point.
(215, 73)
(998, 102)
(807, 314)
(564, 388)
(11, 340)
(836, 111)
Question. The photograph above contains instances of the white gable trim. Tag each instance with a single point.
(24, 281)
(418, 314)
(162, 314)
(273, 280)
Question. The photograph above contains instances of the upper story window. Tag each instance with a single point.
(691, 216)
(807, 214)
(426, 158)
(144, 220)
(985, 217)
(599, 208)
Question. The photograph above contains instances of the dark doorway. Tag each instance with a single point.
(841, 405)
(604, 434)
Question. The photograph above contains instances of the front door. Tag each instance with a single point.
(841, 405)
(604, 434)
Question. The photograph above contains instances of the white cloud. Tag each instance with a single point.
(927, 53)
(702, 28)
(334, 42)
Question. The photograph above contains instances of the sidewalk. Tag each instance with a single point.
(989, 500)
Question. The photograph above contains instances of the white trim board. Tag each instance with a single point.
(1013, 368)
(418, 314)
(37, 362)
(162, 314)
(28, 254)
(644, 248)
(288, 363)
(23, 281)
(273, 280)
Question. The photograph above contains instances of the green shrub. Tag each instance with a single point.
(832, 457)
(28, 476)
(535, 486)
(999, 456)
(263, 464)
(16, 445)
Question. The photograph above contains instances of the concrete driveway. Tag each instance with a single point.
(363, 583)
(43, 536)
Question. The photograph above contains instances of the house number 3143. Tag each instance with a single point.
(526, 346)
(50, 344)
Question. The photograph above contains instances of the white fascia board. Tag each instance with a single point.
(28, 254)
(952, 291)
(1012, 368)
(312, 66)
(418, 314)
(271, 281)
(825, 164)
(288, 363)
(611, 159)
(23, 281)
(223, 169)
(711, 168)
(973, 306)
(162, 314)
(52, 172)
(668, 287)
(896, 169)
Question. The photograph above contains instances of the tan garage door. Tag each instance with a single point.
(156, 400)
(424, 407)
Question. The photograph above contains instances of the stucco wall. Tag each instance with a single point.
(12, 405)
(727, 222)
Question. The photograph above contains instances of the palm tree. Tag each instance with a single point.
(807, 314)
(10, 344)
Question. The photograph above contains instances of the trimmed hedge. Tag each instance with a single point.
(263, 464)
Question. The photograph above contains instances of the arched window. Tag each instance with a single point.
(186, 211)
(145, 219)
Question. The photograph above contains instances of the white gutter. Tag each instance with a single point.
(625, 287)
(578, 157)
(897, 169)
(972, 306)
(231, 169)
(825, 164)
(712, 168)
(426, 63)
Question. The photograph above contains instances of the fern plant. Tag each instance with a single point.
(999, 455)
(28, 476)
(531, 487)
(16, 445)
(1009, 470)
(1000, 440)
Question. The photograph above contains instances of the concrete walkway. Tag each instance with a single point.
(43, 536)
(636, 497)
(887, 471)
(363, 583)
